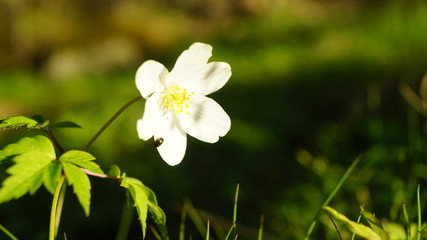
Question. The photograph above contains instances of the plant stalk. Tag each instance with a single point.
(9, 234)
(55, 141)
(53, 212)
(107, 124)
(419, 214)
(126, 219)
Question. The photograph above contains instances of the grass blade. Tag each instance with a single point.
(9, 234)
(195, 217)
(419, 213)
(407, 223)
(236, 196)
(358, 221)
(229, 231)
(332, 195)
(233, 227)
(207, 231)
(155, 232)
(182, 224)
(261, 227)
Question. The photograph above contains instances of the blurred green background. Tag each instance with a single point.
(314, 84)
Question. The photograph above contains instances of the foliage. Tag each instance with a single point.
(376, 229)
(15, 122)
(32, 159)
(359, 229)
(35, 163)
(145, 200)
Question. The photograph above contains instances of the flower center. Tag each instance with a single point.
(177, 99)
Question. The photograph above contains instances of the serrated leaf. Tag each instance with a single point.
(51, 175)
(15, 122)
(136, 189)
(29, 144)
(25, 176)
(65, 124)
(357, 228)
(80, 182)
(81, 159)
(156, 212)
(32, 155)
(375, 225)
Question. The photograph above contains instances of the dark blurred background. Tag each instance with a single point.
(314, 84)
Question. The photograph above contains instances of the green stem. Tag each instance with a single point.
(419, 213)
(100, 131)
(358, 221)
(90, 173)
(208, 230)
(126, 220)
(407, 223)
(332, 195)
(53, 211)
(261, 227)
(59, 207)
(236, 197)
(9, 234)
(182, 224)
(55, 141)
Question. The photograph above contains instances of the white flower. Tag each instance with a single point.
(176, 102)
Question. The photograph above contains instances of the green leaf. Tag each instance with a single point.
(81, 159)
(15, 122)
(145, 199)
(156, 212)
(51, 175)
(80, 182)
(114, 171)
(26, 175)
(29, 144)
(32, 156)
(136, 189)
(395, 231)
(375, 225)
(65, 124)
(357, 228)
(72, 162)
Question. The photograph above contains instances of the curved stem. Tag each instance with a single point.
(55, 141)
(59, 207)
(100, 131)
(53, 211)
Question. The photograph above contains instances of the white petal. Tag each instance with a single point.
(209, 78)
(147, 125)
(172, 150)
(206, 121)
(150, 77)
(189, 63)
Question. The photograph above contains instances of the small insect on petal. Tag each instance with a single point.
(158, 142)
(177, 104)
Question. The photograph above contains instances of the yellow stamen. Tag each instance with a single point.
(177, 99)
